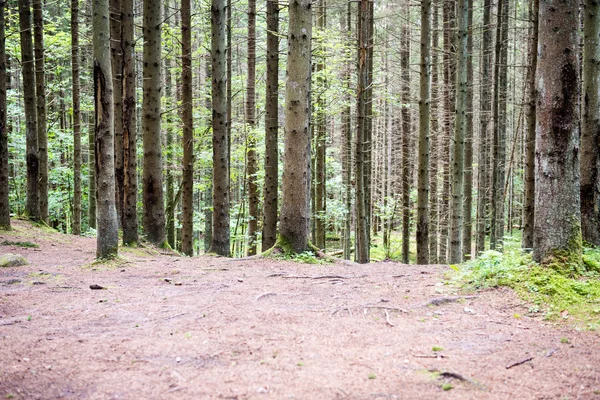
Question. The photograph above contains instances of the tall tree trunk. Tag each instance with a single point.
(76, 118)
(187, 238)
(499, 163)
(171, 102)
(116, 50)
(557, 230)
(347, 136)
(220, 230)
(467, 245)
(32, 207)
(154, 207)
(4, 188)
(434, 142)
(406, 133)
(590, 125)
(529, 205)
(92, 172)
(130, 184)
(40, 93)
(295, 206)
(252, 155)
(424, 116)
(107, 238)
(483, 172)
(362, 147)
(269, 233)
(460, 125)
(321, 133)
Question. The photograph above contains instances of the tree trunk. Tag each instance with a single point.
(406, 132)
(107, 237)
(130, 184)
(32, 207)
(252, 155)
(76, 118)
(4, 188)
(116, 50)
(295, 207)
(590, 124)
(529, 206)
(434, 142)
(484, 117)
(347, 136)
(467, 240)
(154, 208)
(92, 172)
(460, 125)
(187, 238)
(321, 133)
(424, 114)
(557, 230)
(171, 103)
(220, 230)
(269, 233)
(40, 93)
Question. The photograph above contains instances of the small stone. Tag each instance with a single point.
(12, 260)
(96, 287)
(178, 283)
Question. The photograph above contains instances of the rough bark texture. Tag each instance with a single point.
(92, 172)
(107, 236)
(434, 142)
(460, 126)
(129, 222)
(4, 204)
(32, 207)
(40, 94)
(154, 207)
(424, 114)
(252, 156)
(467, 239)
(347, 135)
(116, 51)
(220, 230)
(557, 229)
(362, 144)
(295, 206)
(529, 204)
(169, 167)
(320, 199)
(406, 133)
(187, 204)
(269, 232)
(590, 124)
(484, 119)
(76, 118)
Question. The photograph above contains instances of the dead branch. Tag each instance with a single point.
(264, 295)
(387, 318)
(438, 301)
(523, 361)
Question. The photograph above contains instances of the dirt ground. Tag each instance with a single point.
(169, 327)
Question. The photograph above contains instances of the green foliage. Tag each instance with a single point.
(550, 291)
(308, 257)
(25, 244)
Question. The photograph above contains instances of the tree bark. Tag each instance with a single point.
(116, 50)
(557, 229)
(32, 207)
(220, 231)
(252, 155)
(129, 222)
(4, 172)
(295, 207)
(76, 117)
(467, 235)
(154, 208)
(269, 233)
(107, 238)
(434, 142)
(590, 124)
(321, 133)
(40, 93)
(406, 133)
(92, 172)
(347, 136)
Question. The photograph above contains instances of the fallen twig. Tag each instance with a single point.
(438, 301)
(430, 356)
(387, 318)
(523, 361)
(386, 308)
(267, 294)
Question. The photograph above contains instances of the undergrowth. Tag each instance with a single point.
(25, 244)
(308, 257)
(549, 293)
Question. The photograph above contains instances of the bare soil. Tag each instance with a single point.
(169, 327)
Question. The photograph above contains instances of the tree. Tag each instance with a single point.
(252, 154)
(4, 204)
(269, 233)
(92, 171)
(129, 223)
(116, 50)
(460, 126)
(557, 229)
(590, 124)
(529, 195)
(424, 116)
(40, 93)
(467, 234)
(31, 134)
(154, 208)
(76, 117)
(187, 240)
(107, 239)
(220, 230)
(295, 208)
(320, 130)
(434, 141)
(406, 145)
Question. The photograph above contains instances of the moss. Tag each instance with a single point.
(567, 260)
(25, 244)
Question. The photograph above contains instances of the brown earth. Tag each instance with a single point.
(169, 327)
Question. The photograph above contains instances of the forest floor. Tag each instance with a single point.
(170, 327)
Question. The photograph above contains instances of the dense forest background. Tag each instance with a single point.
(422, 123)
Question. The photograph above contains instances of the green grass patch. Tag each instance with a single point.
(26, 244)
(554, 295)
